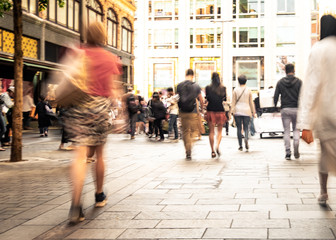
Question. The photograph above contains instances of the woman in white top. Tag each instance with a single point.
(243, 110)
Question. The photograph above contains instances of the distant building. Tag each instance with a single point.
(47, 34)
(173, 35)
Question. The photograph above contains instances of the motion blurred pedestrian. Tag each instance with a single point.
(317, 107)
(44, 122)
(159, 112)
(188, 92)
(87, 120)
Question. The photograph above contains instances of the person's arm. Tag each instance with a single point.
(276, 94)
(309, 94)
(7, 101)
(201, 99)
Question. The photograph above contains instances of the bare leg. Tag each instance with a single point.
(78, 172)
(219, 136)
(211, 136)
(90, 151)
(100, 168)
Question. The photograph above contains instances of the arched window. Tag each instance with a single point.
(126, 33)
(94, 11)
(112, 28)
(67, 16)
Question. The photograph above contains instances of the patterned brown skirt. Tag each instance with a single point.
(89, 123)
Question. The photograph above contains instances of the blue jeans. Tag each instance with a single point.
(242, 121)
(173, 124)
(288, 116)
(252, 128)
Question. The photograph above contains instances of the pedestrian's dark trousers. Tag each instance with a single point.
(64, 136)
(6, 138)
(133, 117)
(242, 121)
(158, 128)
(227, 122)
(173, 124)
(26, 119)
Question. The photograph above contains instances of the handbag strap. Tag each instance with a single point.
(240, 95)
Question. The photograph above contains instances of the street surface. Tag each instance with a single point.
(153, 193)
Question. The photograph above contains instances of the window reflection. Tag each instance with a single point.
(286, 7)
(94, 11)
(163, 9)
(126, 33)
(248, 8)
(112, 24)
(200, 9)
(247, 37)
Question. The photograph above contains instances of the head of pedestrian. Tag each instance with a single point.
(170, 91)
(190, 74)
(10, 91)
(129, 89)
(215, 80)
(242, 80)
(156, 96)
(96, 34)
(290, 69)
(328, 26)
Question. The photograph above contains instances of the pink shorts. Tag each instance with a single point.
(216, 118)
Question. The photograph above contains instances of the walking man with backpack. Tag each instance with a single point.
(289, 88)
(188, 92)
(132, 106)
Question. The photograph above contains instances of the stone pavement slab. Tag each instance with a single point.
(153, 193)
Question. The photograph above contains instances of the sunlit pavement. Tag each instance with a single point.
(153, 193)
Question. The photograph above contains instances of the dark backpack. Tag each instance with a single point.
(187, 101)
(132, 106)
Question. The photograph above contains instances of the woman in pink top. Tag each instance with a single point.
(87, 121)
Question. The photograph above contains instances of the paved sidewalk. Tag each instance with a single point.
(153, 193)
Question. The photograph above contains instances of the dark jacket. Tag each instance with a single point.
(43, 118)
(159, 109)
(289, 88)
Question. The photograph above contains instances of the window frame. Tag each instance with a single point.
(28, 6)
(217, 11)
(89, 8)
(114, 23)
(260, 43)
(285, 12)
(258, 14)
(75, 17)
(129, 33)
(174, 13)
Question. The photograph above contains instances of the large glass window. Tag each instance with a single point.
(163, 75)
(200, 9)
(94, 11)
(67, 16)
(247, 37)
(112, 28)
(163, 9)
(30, 6)
(286, 36)
(205, 37)
(163, 38)
(248, 8)
(286, 7)
(126, 33)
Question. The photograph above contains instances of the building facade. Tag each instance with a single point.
(47, 34)
(252, 37)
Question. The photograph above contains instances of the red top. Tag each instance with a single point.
(102, 65)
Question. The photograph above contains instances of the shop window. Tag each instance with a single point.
(112, 28)
(126, 33)
(285, 36)
(67, 16)
(163, 75)
(200, 9)
(248, 37)
(286, 7)
(203, 71)
(248, 8)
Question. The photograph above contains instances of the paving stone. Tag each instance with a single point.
(225, 223)
(8, 224)
(195, 208)
(301, 233)
(24, 232)
(132, 208)
(117, 215)
(34, 212)
(262, 207)
(307, 207)
(53, 217)
(229, 201)
(222, 233)
(260, 223)
(173, 215)
(121, 224)
(178, 202)
(302, 215)
(162, 233)
(96, 234)
(237, 215)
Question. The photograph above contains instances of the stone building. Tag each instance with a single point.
(47, 34)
